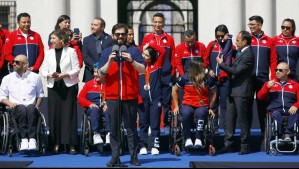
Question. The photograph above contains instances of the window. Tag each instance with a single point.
(8, 15)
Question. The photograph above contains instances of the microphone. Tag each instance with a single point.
(115, 48)
(123, 48)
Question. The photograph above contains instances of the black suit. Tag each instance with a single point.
(240, 97)
(90, 54)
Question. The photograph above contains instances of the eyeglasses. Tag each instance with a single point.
(280, 70)
(285, 27)
(220, 36)
(118, 34)
(17, 62)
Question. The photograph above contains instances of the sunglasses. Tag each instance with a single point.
(285, 27)
(118, 34)
(17, 62)
(220, 36)
(280, 70)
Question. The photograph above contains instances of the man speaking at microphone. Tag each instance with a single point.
(129, 62)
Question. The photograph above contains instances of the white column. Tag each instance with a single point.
(109, 14)
(82, 14)
(43, 14)
(263, 9)
(287, 9)
(213, 13)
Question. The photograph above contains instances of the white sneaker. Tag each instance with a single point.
(188, 143)
(32, 144)
(24, 144)
(97, 139)
(198, 143)
(108, 138)
(143, 151)
(155, 151)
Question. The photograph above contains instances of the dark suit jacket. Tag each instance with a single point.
(240, 74)
(90, 55)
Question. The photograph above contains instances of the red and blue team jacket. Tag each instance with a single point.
(92, 92)
(129, 76)
(32, 47)
(287, 49)
(192, 97)
(155, 76)
(166, 41)
(211, 54)
(184, 55)
(280, 97)
(3, 35)
(264, 56)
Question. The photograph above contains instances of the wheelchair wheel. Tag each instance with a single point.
(86, 151)
(212, 150)
(272, 152)
(83, 135)
(9, 151)
(4, 132)
(171, 135)
(268, 134)
(177, 150)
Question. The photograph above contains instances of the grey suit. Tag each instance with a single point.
(240, 97)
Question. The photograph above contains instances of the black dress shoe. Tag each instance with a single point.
(113, 162)
(244, 151)
(226, 149)
(72, 150)
(134, 161)
(56, 149)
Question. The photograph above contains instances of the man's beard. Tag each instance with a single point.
(119, 43)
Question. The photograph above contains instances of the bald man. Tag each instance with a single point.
(282, 94)
(22, 93)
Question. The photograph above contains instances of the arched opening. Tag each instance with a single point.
(180, 15)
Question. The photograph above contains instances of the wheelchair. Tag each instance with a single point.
(273, 144)
(10, 134)
(86, 137)
(177, 136)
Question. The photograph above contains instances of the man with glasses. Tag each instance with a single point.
(282, 95)
(265, 62)
(24, 41)
(286, 47)
(121, 73)
(22, 92)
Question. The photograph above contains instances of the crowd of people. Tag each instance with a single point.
(125, 82)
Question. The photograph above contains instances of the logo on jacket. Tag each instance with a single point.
(280, 41)
(31, 38)
(291, 86)
(264, 41)
(293, 42)
(196, 51)
(164, 41)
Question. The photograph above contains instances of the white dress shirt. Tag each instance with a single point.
(21, 90)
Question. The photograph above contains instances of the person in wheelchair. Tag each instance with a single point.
(92, 97)
(196, 102)
(282, 94)
(22, 92)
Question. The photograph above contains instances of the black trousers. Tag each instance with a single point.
(261, 105)
(26, 118)
(128, 112)
(238, 107)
